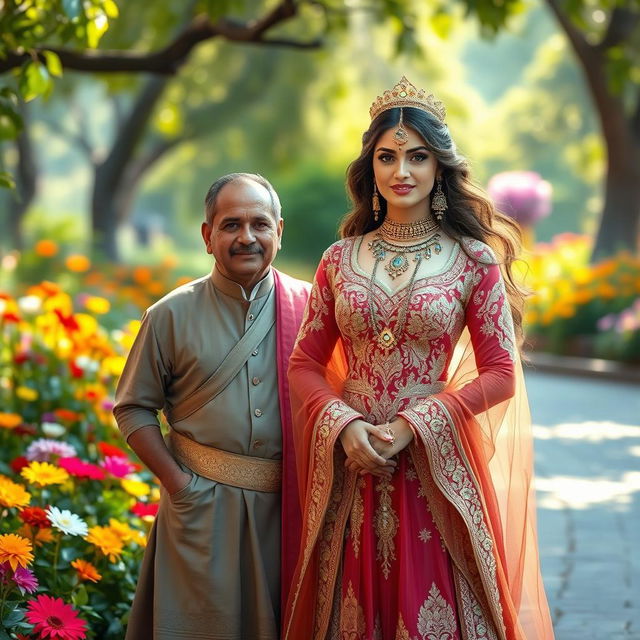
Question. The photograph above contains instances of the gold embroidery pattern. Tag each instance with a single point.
(496, 304)
(233, 469)
(402, 633)
(455, 481)
(436, 620)
(476, 625)
(318, 308)
(357, 517)
(377, 628)
(324, 504)
(352, 626)
(386, 524)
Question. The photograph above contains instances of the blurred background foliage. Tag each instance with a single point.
(112, 161)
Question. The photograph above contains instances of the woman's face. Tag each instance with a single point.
(405, 174)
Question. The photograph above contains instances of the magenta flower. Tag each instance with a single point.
(522, 195)
(117, 466)
(81, 469)
(44, 449)
(25, 580)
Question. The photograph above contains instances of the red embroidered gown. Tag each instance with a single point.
(446, 549)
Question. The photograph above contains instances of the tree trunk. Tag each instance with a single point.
(111, 171)
(620, 223)
(26, 182)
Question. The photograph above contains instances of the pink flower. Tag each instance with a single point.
(523, 195)
(44, 449)
(55, 619)
(81, 469)
(117, 466)
(25, 580)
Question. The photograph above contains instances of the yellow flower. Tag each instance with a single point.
(15, 550)
(46, 248)
(86, 571)
(97, 305)
(106, 540)
(26, 393)
(13, 494)
(78, 263)
(44, 473)
(10, 420)
(136, 488)
(113, 365)
(121, 529)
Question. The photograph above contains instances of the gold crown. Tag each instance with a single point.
(404, 94)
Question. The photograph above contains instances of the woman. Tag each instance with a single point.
(414, 454)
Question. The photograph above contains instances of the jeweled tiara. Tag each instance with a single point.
(404, 94)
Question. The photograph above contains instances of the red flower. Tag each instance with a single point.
(21, 357)
(76, 371)
(107, 449)
(17, 464)
(55, 619)
(10, 317)
(68, 322)
(35, 516)
(143, 509)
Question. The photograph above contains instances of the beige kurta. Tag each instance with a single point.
(212, 566)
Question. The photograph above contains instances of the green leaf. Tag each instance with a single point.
(110, 8)
(53, 63)
(34, 81)
(80, 597)
(3, 634)
(15, 616)
(7, 181)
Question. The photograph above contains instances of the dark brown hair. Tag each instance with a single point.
(470, 212)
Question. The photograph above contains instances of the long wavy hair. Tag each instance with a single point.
(470, 212)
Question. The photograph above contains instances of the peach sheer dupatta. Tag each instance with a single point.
(499, 446)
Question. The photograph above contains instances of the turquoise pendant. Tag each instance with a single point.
(397, 265)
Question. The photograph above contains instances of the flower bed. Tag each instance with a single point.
(75, 508)
(582, 309)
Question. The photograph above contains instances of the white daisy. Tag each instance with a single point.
(67, 522)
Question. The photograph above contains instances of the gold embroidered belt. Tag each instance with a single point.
(234, 469)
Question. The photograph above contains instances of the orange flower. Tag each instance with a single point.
(105, 539)
(142, 275)
(67, 414)
(78, 263)
(46, 248)
(15, 550)
(37, 536)
(10, 420)
(86, 571)
(13, 494)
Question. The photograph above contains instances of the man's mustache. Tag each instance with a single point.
(246, 251)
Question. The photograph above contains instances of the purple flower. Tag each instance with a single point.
(607, 322)
(25, 580)
(43, 449)
(522, 195)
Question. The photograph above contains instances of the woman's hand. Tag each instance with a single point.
(386, 441)
(356, 442)
(402, 437)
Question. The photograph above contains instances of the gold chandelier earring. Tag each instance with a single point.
(375, 203)
(439, 201)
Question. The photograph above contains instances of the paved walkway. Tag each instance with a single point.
(588, 482)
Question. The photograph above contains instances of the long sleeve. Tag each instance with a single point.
(142, 388)
(488, 318)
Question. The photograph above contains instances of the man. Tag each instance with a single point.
(214, 354)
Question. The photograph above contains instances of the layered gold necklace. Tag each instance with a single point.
(381, 247)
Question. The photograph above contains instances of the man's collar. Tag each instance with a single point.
(235, 290)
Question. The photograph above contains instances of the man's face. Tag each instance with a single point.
(244, 236)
